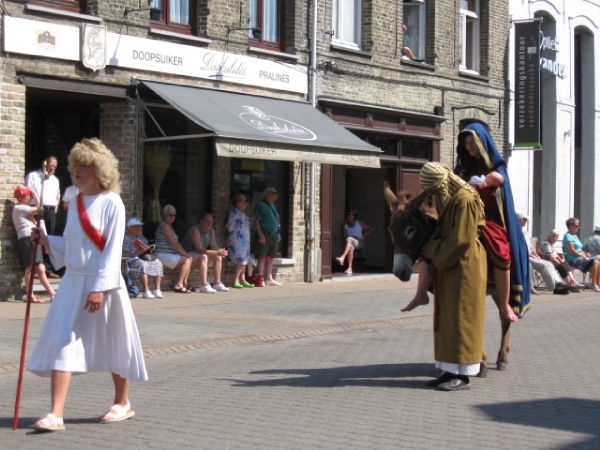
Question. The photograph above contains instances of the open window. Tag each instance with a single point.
(175, 15)
(414, 21)
(266, 15)
(76, 6)
(347, 19)
(469, 35)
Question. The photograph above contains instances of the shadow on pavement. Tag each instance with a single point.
(379, 375)
(24, 422)
(566, 414)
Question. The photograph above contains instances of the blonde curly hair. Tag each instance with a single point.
(106, 165)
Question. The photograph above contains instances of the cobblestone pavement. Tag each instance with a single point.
(322, 366)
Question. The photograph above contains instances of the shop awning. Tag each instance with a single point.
(253, 127)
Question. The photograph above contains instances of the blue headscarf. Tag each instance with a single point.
(520, 294)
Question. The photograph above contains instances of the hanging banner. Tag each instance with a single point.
(527, 86)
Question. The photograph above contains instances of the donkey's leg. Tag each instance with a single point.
(483, 368)
(504, 345)
(505, 341)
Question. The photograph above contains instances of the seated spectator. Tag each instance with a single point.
(238, 240)
(592, 243)
(200, 242)
(544, 268)
(407, 42)
(141, 261)
(355, 233)
(23, 221)
(577, 258)
(170, 252)
(548, 253)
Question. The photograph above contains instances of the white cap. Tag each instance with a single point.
(522, 216)
(134, 221)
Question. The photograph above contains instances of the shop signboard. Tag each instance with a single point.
(100, 48)
(31, 37)
(166, 57)
(527, 85)
(279, 152)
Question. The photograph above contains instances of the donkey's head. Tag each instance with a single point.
(412, 224)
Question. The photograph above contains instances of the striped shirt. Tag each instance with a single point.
(162, 245)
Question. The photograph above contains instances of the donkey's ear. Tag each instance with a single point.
(390, 197)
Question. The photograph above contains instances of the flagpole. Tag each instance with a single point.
(39, 215)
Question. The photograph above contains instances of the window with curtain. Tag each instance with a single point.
(175, 15)
(250, 177)
(347, 23)
(77, 6)
(414, 20)
(469, 35)
(266, 15)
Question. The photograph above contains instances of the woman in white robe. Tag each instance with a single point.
(90, 326)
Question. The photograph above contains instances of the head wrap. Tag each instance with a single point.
(437, 176)
(520, 293)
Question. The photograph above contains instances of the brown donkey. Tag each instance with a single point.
(413, 223)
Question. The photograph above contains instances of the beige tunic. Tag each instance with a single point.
(460, 290)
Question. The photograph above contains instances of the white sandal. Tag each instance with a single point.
(49, 423)
(120, 413)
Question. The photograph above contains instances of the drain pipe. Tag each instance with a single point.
(136, 152)
(312, 247)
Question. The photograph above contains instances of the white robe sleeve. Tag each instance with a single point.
(57, 251)
(109, 276)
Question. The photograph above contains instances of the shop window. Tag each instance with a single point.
(250, 177)
(266, 15)
(469, 35)
(347, 18)
(175, 15)
(414, 20)
(76, 6)
(388, 146)
(416, 149)
(176, 172)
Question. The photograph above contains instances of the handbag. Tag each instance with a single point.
(149, 257)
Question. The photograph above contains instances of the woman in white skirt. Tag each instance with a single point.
(90, 326)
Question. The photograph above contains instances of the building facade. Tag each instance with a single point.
(559, 181)
(404, 76)
(173, 87)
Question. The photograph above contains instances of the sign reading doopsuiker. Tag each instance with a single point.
(527, 85)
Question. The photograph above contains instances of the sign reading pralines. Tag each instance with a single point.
(99, 48)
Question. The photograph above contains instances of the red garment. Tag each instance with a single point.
(494, 236)
(90, 231)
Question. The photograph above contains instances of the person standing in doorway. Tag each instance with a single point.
(49, 197)
(266, 224)
(69, 195)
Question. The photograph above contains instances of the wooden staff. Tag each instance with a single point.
(39, 215)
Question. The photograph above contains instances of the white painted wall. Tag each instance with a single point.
(557, 179)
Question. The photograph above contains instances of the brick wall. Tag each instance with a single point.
(12, 173)
(375, 75)
(117, 132)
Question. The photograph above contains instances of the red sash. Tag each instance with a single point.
(90, 231)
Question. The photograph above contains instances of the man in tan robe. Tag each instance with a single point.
(461, 277)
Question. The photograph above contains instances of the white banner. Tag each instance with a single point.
(166, 57)
(33, 37)
(30, 37)
(274, 152)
